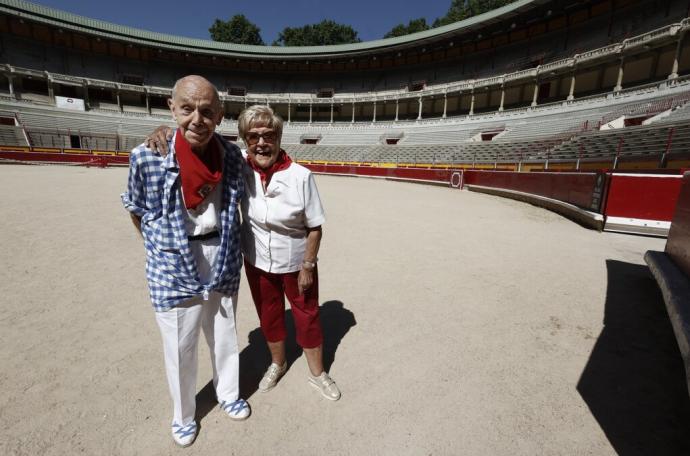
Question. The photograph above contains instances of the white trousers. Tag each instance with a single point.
(180, 328)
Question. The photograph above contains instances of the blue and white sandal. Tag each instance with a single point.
(238, 410)
(184, 435)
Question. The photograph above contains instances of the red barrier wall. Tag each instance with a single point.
(97, 160)
(649, 197)
(678, 244)
(422, 174)
(584, 190)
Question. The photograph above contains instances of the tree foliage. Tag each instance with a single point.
(414, 26)
(324, 33)
(238, 29)
(462, 9)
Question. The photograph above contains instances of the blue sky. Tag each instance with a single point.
(370, 18)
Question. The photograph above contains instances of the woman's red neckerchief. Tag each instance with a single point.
(282, 162)
(200, 175)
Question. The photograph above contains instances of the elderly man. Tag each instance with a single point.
(185, 206)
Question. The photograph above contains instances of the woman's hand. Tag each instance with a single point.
(306, 275)
(305, 279)
(157, 141)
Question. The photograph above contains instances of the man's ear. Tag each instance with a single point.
(171, 106)
(220, 116)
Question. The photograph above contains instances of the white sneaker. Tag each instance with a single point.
(184, 435)
(238, 410)
(326, 385)
(271, 377)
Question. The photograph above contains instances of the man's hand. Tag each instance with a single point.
(136, 220)
(157, 141)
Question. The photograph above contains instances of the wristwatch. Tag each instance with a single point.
(309, 265)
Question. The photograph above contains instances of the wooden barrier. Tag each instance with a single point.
(583, 190)
(52, 157)
(46, 150)
(428, 175)
(641, 203)
(16, 148)
(76, 151)
(678, 244)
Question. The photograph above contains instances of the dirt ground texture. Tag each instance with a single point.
(456, 323)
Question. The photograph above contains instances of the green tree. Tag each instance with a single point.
(462, 9)
(414, 26)
(324, 33)
(238, 29)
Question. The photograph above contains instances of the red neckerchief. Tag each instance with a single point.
(283, 162)
(200, 175)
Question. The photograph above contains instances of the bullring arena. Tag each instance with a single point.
(458, 323)
(505, 260)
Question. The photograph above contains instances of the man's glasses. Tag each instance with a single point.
(253, 138)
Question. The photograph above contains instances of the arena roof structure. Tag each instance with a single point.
(507, 14)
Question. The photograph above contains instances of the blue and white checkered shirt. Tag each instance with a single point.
(154, 193)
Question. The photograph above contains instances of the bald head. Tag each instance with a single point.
(193, 82)
(196, 107)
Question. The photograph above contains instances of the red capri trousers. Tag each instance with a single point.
(269, 291)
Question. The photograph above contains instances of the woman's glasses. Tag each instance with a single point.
(253, 138)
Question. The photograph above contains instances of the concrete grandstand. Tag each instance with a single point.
(515, 88)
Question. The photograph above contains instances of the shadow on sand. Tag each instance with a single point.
(336, 321)
(634, 381)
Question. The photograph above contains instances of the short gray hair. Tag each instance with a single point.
(259, 116)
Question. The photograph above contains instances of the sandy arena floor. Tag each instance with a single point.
(456, 323)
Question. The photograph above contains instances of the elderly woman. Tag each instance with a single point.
(281, 232)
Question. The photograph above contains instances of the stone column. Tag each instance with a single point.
(445, 104)
(419, 116)
(503, 97)
(374, 119)
(397, 102)
(676, 58)
(310, 105)
(353, 112)
(331, 111)
(117, 94)
(85, 89)
(472, 104)
(536, 93)
(289, 109)
(619, 81)
(571, 93)
(51, 89)
(10, 80)
(148, 104)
